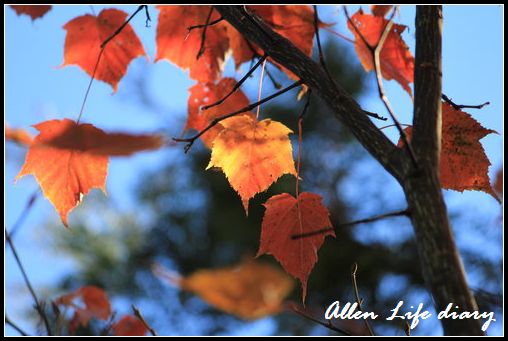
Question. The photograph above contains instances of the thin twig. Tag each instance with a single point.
(300, 140)
(324, 324)
(24, 214)
(211, 23)
(237, 85)
(15, 326)
(38, 305)
(203, 34)
(260, 88)
(405, 212)
(190, 141)
(382, 95)
(357, 295)
(462, 106)
(137, 313)
(102, 47)
(318, 40)
(148, 19)
(276, 84)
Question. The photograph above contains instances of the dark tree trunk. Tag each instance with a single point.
(441, 264)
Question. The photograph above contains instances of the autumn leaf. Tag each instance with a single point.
(129, 326)
(181, 47)
(69, 159)
(463, 162)
(17, 135)
(252, 154)
(203, 94)
(88, 302)
(286, 216)
(380, 10)
(250, 290)
(86, 33)
(498, 184)
(34, 11)
(396, 60)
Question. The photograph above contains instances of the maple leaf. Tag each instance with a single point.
(69, 159)
(463, 162)
(250, 290)
(286, 216)
(208, 93)
(396, 60)
(86, 33)
(17, 135)
(34, 11)
(380, 10)
(252, 154)
(129, 326)
(181, 47)
(88, 302)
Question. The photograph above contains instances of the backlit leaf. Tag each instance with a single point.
(252, 154)
(129, 326)
(396, 60)
(86, 33)
(286, 216)
(34, 11)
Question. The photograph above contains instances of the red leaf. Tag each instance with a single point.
(205, 94)
(86, 33)
(498, 185)
(129, 326)
(34, 11)
(286, 216)
(380, 10)
(396, 60)
(89, 302)
(463, 163)
(180, 47)
(69, 159)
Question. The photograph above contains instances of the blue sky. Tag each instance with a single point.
(38, 89)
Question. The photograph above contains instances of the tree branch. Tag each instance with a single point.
(345, 108)
(462, 106)
(440, 261)
(354, 270)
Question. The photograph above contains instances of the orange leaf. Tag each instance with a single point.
(34, 11)
(180, 47)
(205, 94)
(380, 10)
(129, 326)
(252, 154)
(89, 302)
(396, 60)
(286, 216)
(17, 135)
(463, 163)
(69, 159)
(250, 290)
(86, 33)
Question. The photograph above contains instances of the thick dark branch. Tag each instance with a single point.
(440, 261)
(346, 109)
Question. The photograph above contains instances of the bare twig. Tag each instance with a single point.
(24, 214)
(190, 141)
(15, 326)
(356, 222)
(276, 84)
(318, 40)
(211, 23)
(300, 133)
(462, 106)
(324, 324)
(237, 85)
(203, 34)
(38, 305)
(148, 19)
(357, 295)
(102, 47)
(137, 313)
